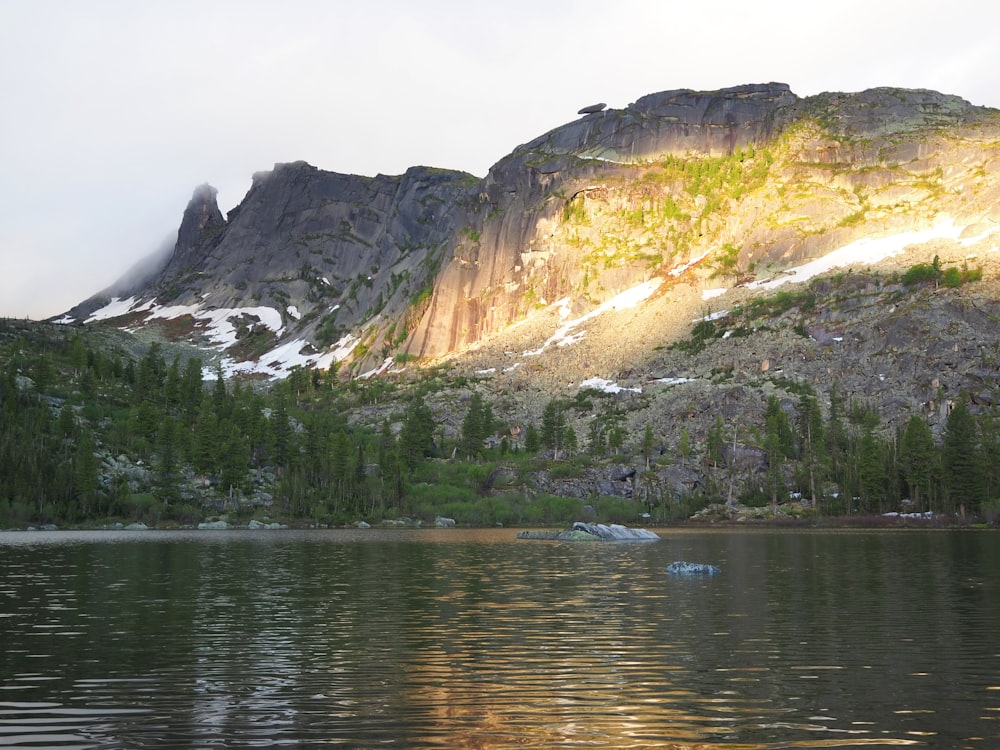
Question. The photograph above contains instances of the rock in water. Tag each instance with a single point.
(590, 532)
(681, 568)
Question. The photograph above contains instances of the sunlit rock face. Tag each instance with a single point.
(691, 190)
(718, 185)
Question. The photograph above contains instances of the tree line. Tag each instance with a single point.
(89, 431)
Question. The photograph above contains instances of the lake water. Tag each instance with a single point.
(473, 639)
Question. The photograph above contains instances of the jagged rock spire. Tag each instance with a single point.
(202, 222)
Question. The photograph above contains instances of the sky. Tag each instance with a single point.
(112, 112)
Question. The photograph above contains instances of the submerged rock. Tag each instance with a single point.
(593, 532)
(682, 568)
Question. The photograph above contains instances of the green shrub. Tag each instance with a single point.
(921, 273)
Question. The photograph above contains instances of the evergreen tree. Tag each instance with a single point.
(191, 388)
(716, 441)
(597, 437)
(648, 444)
(871, 470)
(812, 441)
(476, 427)
(918, 461)
(204, 449)
(234, 460)
(85, 477)
(532, 439)
(961, 466)
(684, 445)
(778, 428)
(166, 473)
(989, 451)
(416, 439)
(554, 426)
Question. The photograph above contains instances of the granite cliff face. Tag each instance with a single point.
(691, 192)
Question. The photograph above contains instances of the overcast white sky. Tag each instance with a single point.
(112, 112)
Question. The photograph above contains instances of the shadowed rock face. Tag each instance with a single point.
(200, 227)
(434, 261)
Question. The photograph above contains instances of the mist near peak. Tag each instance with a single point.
(144, 270)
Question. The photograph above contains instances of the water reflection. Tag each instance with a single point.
(474, 639)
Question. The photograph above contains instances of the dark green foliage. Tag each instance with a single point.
(703, 331)
(476, 427)
(778, 428)
(923, 273)
(932, 273)
(416, 440)
(532, 439)
(557, 433)
(962, 470)
(918, 457)
(69, 409)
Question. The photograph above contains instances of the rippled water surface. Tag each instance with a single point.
(472, 639)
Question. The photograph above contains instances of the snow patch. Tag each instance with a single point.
(869, 250)
(293, 312)
(606, 386)
(673, 381)
(377, 371)
(712, 316)
(566, 335)
(708, 294)
(693, 262)
(115, 308)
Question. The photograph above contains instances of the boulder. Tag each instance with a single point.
(593, 532)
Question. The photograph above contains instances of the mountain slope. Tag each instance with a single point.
(690, 192)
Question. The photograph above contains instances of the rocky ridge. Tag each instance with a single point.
(696, 188)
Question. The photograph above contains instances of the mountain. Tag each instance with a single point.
(686, 281)
(701, 190)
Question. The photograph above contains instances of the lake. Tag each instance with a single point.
(473, 639)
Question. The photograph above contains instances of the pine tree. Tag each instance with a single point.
(918, 461)
(684, 445)
(961, 466)
(812, 441)
(871, 470)
(416, 439)
(648, 444)
(554, 426)
(532, 439)
(85, 476)
(166, 472)
(778, 428)
(476, 427)
(716, 441)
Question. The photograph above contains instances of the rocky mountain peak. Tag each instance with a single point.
(200, 225)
